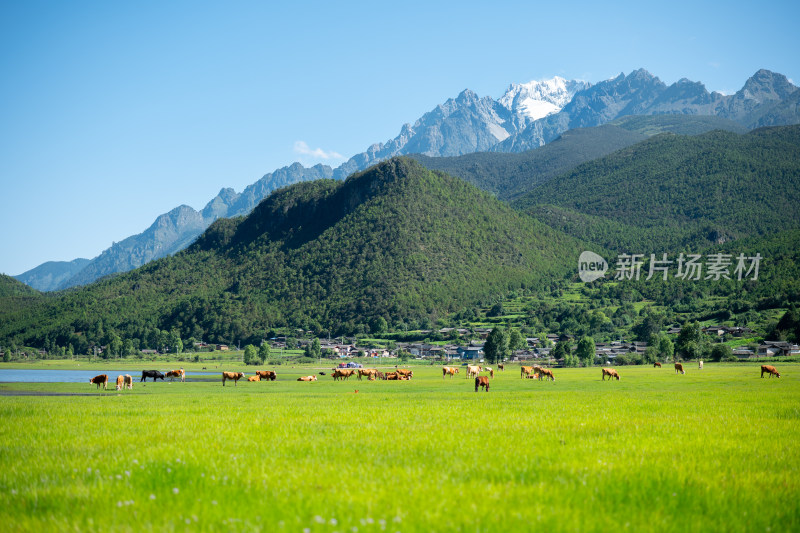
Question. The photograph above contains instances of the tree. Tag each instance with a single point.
(263, 352)
(562, 351)
(250, 355)
(7, 355)
(378, 325)
(721, 352)
(313, 349)
(651, 354)
(665, 348)
(175, 342)
(496, 347)
(690, 340)
(586, 351)
(516, 341)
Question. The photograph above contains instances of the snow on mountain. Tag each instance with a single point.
(537, 99)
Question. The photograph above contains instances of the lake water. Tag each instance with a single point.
(73, 376)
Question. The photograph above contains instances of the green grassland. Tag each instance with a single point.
(711, 450)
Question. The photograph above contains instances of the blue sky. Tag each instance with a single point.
(112, 113)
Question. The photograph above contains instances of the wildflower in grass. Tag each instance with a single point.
(333, 522)
(319, 520)
(175, 490)
(152, 496)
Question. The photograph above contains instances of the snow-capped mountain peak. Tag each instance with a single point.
(537, 99)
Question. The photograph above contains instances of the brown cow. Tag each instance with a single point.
(254, 378)
(501, 366)
(449, 371)
(771, 370)
(392, 376)
(342, 373)
(235, 376)
(307, 378)
(679, 368)
(656, 365)
(405, 373)
(369, 372)
(266, 375)
(547, 374)
(482, 381)
(102, 379)
(172, 374)
(120, 381)
(525, 371)
(611, 373)
(128, 382)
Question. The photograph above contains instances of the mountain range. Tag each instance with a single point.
(526, 117)
(402, 246)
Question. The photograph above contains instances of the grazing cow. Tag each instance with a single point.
(547, 374)
(172, 374)
(405, 373)
(254, 378)
(392, 376)
(449, 371)
(380, 375)
(235, 376)
(611, 373)
(266, 375)
(771, 370)
(656, 365)
(701, 364)
(342, 373)
(155, 374)
(482, 381)
(525, 371)
(120, 381)
(307, 378)
(369, 372)
(679, 368)
(501, 367)
(473, 371)
(489, 370)
(102, 379)
(128, 382)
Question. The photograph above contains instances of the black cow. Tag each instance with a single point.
(155, 374)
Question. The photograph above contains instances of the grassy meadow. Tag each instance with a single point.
(711, 450)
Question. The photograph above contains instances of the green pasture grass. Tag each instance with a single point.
(711, 450)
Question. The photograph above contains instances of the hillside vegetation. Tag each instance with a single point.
(396, 242)
(672, 191)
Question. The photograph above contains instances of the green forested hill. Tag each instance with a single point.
(671, 191)
(397, 242)
(12, 287)
(650, 125)
(511, 175)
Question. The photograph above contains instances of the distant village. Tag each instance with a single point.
(472, 350)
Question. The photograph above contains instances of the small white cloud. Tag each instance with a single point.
(300, 147)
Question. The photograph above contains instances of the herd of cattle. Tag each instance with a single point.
(400, 374)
